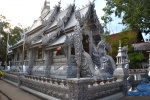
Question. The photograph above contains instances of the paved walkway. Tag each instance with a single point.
(14, 93)
(3, 97)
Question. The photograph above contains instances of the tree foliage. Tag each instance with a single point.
(135, 14)
(14, 36)
(135, 57)
(127, 38)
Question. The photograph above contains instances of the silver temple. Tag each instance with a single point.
(63, 55)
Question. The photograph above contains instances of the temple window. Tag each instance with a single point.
(40, 53)
(72, 51)
(25, 55)
(58, 51)
(17, 56)
(85, 43)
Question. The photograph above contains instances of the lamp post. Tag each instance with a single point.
(149, 63)
(7, 47)
(1, 30)
(23, 49)
(7, 43)
(1, 35)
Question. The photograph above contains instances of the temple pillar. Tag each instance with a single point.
(20, 60)
(69, 55)
(90, 43)
(149, 64)
(31, 60)
(47, 59)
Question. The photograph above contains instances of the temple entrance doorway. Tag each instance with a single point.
(85, 42)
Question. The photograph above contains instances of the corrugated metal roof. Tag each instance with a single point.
(142, 46)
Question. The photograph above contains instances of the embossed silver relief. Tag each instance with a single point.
(78, 47)
(53, 15)
(107, 64)
(60, 26)
(100, 59)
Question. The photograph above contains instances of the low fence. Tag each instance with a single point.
(68, 89)
(103, 88)
(51, 87)
(134, 71)
(12, 78)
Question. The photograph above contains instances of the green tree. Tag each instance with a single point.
(14, 36)
(135, 56)
(135, 14)
(5, 27)
(127, 38)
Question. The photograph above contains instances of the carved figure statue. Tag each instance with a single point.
(105, 66)
(124, 52)
(104, 62)
(99, 64)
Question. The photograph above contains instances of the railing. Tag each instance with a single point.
(39, 62)
(11, 78)
(26, 62)
(17, 63)
(104, 87)
(50, 86)
(68, 89)
(134, 71)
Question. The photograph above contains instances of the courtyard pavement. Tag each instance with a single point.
(10, 92)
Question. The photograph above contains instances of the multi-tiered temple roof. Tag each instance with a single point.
(54, 23)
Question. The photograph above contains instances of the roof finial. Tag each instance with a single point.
(45, 2)
(74, 2)
(119, 43)
(94, 1)
(59, 2)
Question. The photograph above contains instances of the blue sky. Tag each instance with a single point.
(26, 11)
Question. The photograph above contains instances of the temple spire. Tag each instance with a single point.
(73, 2)
(59, 2)
(46, 7)
(119, 43)
(94, 1)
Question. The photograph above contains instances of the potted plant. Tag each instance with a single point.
(1, 74)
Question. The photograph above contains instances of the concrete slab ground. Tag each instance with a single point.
(3, 97)
(14, 93)
(136, 98)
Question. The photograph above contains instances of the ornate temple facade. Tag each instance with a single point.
(64, 56)
(55, 42)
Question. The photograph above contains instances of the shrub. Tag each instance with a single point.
(1, 73)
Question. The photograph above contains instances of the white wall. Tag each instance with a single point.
(146, 37)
